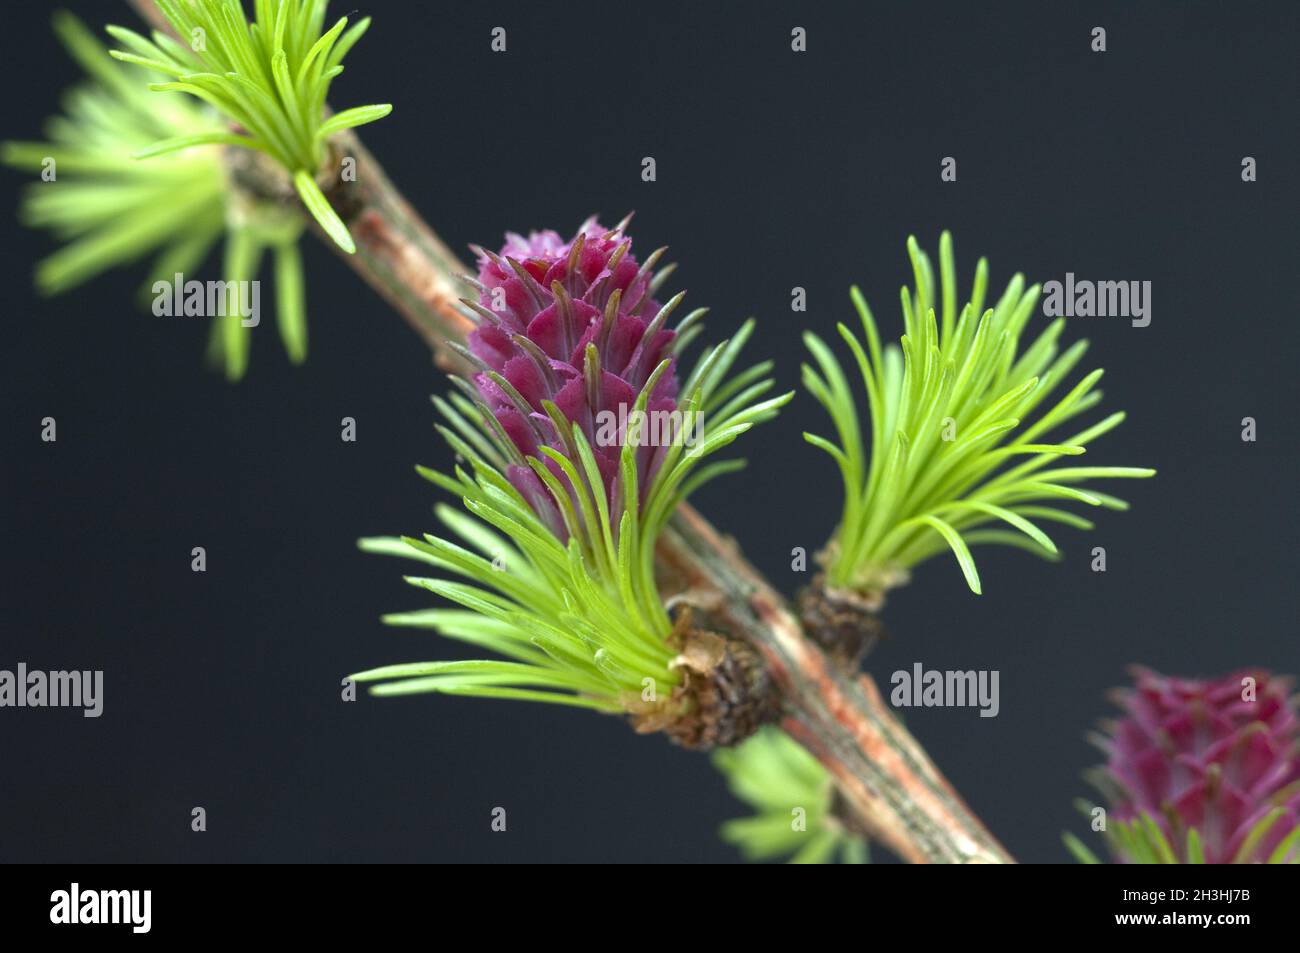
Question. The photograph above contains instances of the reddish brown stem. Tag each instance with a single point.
(894, 789)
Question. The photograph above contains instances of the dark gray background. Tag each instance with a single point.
(775, 170)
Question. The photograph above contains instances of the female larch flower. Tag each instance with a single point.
(572, 327)
(567, 483)
(1218, 757)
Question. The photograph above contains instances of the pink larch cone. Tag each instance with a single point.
(1216, 755)
(573, 323)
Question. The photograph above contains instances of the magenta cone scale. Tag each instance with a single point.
(1216, 755)
(571, 324)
